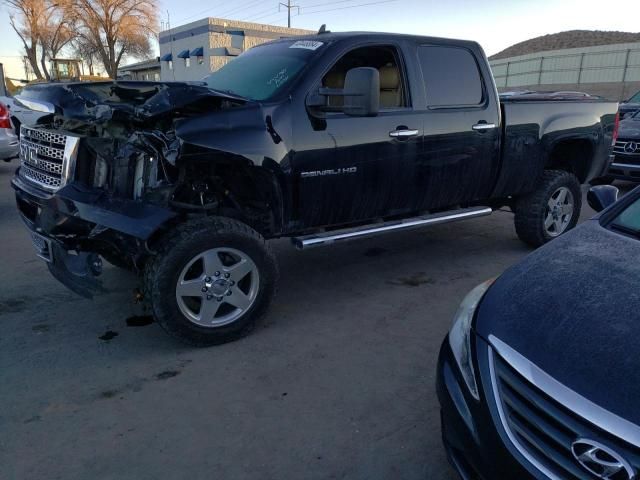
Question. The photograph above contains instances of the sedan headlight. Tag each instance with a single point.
(460, 335)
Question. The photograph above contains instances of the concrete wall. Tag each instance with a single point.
(221, 41)
(612, 71)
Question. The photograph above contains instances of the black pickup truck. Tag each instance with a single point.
(322, 138)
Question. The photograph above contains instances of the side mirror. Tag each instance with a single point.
(362, 92)
(602, 196)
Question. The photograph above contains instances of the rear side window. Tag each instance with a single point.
(451, 77)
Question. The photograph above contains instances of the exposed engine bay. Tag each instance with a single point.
(142, 154)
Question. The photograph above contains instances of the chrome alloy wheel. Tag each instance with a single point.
(217, 287)
(559, 212)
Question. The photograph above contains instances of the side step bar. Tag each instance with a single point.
(319, 239)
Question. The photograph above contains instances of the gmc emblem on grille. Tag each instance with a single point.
(601, 461)
(33, 155)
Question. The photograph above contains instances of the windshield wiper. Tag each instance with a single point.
(229, 92)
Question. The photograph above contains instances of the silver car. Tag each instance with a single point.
(9, 145)
(12, 115)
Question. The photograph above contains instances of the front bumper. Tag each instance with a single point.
(625, 167)
(476, 445)
(71, 227)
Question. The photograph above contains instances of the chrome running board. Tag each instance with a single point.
(319, 239)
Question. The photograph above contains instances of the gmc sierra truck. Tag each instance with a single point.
(322, 138)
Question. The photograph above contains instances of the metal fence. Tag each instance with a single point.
(591, 65)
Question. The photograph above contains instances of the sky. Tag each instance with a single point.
(495, 24)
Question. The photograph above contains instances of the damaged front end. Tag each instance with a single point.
(101, 175)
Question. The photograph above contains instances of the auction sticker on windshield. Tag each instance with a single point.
(307, 44)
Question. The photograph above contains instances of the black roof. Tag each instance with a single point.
(341, 36)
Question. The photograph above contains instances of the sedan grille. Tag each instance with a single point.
(47, 158)
(543, 429)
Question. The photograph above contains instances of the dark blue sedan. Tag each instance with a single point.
(539, 376)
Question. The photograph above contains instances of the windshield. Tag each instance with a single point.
(635, 98)
(629, 220)
(262, 72)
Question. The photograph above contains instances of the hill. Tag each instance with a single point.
(569, 39)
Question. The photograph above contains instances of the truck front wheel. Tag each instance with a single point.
(551, 210)
(210, 281)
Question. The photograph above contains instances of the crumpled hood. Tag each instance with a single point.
(572, 307)
(630, 128)
(111, 100)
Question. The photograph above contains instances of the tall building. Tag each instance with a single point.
(192, 51)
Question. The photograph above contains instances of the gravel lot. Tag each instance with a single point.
(337, 382)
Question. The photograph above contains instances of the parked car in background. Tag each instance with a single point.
(539, 376)
(9, 144)
(630, 106)
(626, 161)
(20, 114)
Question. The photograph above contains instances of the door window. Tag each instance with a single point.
(451, 76)
(393, 93)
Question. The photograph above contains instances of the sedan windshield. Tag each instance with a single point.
(635, 98)
(264, 71)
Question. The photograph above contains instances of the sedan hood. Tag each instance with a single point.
(573, 308)
(104, 101)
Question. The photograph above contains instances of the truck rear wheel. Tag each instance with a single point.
(551, 210)
(210, 281)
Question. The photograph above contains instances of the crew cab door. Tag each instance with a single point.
(352, 169)
(461, 115)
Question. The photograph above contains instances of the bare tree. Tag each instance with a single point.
(86, 52)
(115, 28)
(56, 32)
(26, 19)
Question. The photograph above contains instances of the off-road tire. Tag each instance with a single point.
(530, 210)
(175, 250)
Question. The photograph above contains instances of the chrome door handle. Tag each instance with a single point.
(481, 127)
(403, 133)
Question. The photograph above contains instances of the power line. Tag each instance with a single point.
(224, 13)
(350, 6)
(327, 3)
(262, 13)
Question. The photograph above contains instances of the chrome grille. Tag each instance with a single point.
(544, 429)
(47, 158)
(623, 147)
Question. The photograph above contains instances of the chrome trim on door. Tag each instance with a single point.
(581, 406)
(403, 133)
(481, 127)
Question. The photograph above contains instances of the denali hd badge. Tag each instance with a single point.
(333, 171)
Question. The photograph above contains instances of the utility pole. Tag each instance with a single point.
(288, 6)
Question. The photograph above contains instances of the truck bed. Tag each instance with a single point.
(532, 126)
